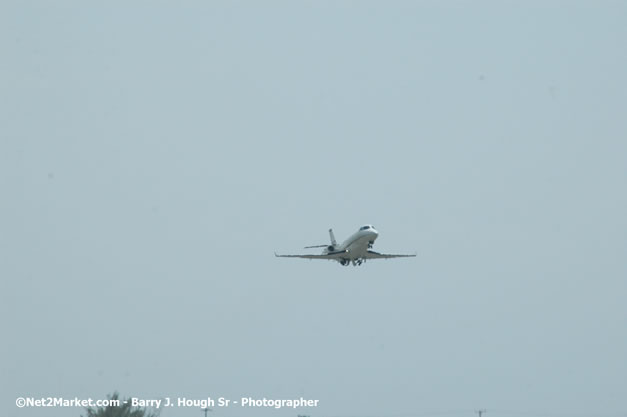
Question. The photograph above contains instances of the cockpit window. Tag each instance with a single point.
(364, 228)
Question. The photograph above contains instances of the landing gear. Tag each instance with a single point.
(370, 244)
(355, 262)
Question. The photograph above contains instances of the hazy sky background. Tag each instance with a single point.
(154, 155)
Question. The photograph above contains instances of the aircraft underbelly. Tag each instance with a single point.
(358, 249)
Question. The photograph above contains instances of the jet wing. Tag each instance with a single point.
(329, 256)
(376, 255)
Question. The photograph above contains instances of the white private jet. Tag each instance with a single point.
(355, 249)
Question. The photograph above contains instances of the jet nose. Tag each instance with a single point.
(372, 237)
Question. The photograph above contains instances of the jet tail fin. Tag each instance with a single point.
(333, 242)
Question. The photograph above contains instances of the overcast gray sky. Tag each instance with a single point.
(154, 155)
